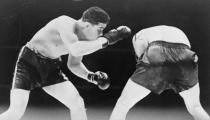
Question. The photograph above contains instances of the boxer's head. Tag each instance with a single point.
(93, 22)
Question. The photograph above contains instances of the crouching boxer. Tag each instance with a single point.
(164, 61)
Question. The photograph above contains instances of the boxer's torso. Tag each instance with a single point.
(48, 42)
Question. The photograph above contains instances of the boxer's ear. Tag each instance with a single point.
(87, 24)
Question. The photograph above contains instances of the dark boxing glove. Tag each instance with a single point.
(99, 78)
(116, 35)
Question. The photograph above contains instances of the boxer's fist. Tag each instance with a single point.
(100, 78)
(116, 35)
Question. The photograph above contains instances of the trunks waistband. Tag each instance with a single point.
(38, 54)
(169, 45)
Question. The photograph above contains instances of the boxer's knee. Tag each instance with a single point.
(76, 103)
(125, 102)
(192, 108)
(15, 113)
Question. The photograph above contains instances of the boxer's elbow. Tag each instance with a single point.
(75, 53)
(77, 50)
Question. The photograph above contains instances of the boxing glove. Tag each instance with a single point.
(116, 35)
(99, 78)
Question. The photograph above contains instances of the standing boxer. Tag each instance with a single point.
(164, 61)
(38, 64)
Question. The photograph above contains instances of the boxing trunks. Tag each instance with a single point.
(33, 70)
(166, 65)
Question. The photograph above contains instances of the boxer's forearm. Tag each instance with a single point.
(82, 48)
(79, 70)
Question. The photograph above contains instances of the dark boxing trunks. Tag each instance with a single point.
(166, 66)
(34, 70)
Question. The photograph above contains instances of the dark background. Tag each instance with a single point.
(21, 19)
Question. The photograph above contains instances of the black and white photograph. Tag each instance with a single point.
(105, 60)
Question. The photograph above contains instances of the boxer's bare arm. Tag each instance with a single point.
(81, 48)
(139, 43)
(76, 47)
(77, 67)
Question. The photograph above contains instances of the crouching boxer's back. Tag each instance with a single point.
(164, 33)
(164, 61)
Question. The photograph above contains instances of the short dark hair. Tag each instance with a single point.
(95, 15)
